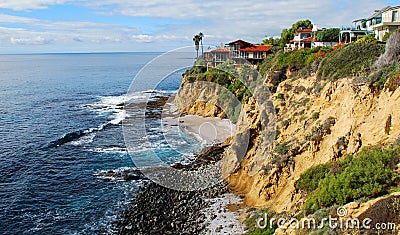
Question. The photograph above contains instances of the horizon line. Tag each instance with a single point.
(105, 52)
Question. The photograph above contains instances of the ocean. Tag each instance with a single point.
(60, 126)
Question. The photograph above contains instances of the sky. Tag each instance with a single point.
(62, 26)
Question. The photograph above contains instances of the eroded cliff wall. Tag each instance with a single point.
(316, 122)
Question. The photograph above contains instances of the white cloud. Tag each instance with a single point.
(234, 10)
(252, 20)
(220, 21)
(39, 40)
(47, 32)
(28, 4)
(7, 19)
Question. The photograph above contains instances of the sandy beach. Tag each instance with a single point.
(209, 130)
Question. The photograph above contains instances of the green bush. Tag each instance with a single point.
(370, 174)
(281, 96)
(309, 180)
(300, 61)
(315, 115)
(222, 75)
(350, 60)
(367, 39)
(385, 77)
(282, 149)
(305, 101)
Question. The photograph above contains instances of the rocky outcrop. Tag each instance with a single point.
(199, 99)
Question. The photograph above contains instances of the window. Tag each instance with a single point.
(394, 16)
(244, 54)
(305, 35)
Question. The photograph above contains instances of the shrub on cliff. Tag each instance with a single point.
(387, 35)
(225, 75)
(309, 180)
(370, 174)
(300, 62)
(367, 39)
(392, 52)
(387, 67)
(353, 60)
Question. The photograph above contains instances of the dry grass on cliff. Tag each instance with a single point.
(352, 60)
(392, 52)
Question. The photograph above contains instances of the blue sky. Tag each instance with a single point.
(31, 26)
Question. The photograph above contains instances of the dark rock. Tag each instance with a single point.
(122, 174)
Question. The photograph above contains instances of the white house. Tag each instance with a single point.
(305, 38)
(368, 23)
(390, 22)
(302, 39)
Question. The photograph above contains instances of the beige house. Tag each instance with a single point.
(390, 22)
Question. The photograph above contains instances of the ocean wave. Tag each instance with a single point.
(118, 117)
(110, 106)
(83, 140)
(121, 174)
(113, 106)
(121, 150)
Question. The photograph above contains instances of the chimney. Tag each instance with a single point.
(376, 11)
(315, 28)
(221, 45)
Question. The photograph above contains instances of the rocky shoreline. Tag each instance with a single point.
(159, 210)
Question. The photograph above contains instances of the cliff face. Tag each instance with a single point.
(317, 122)
(199, 99)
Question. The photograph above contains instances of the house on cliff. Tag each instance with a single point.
(390, 22)
(302, 39)
(236, 50)
(381, 22)
(368, 23)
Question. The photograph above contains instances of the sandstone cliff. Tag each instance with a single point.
(316, 127)
(317, 122)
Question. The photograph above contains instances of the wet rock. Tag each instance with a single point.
(121, 174)
(158, 210)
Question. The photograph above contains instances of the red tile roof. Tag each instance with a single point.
(239, 42)
(256, 48)
(221, 50)
(309, 30)
(310, 39)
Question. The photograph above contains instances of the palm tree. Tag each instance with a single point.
(201, 35)
(196, 40)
